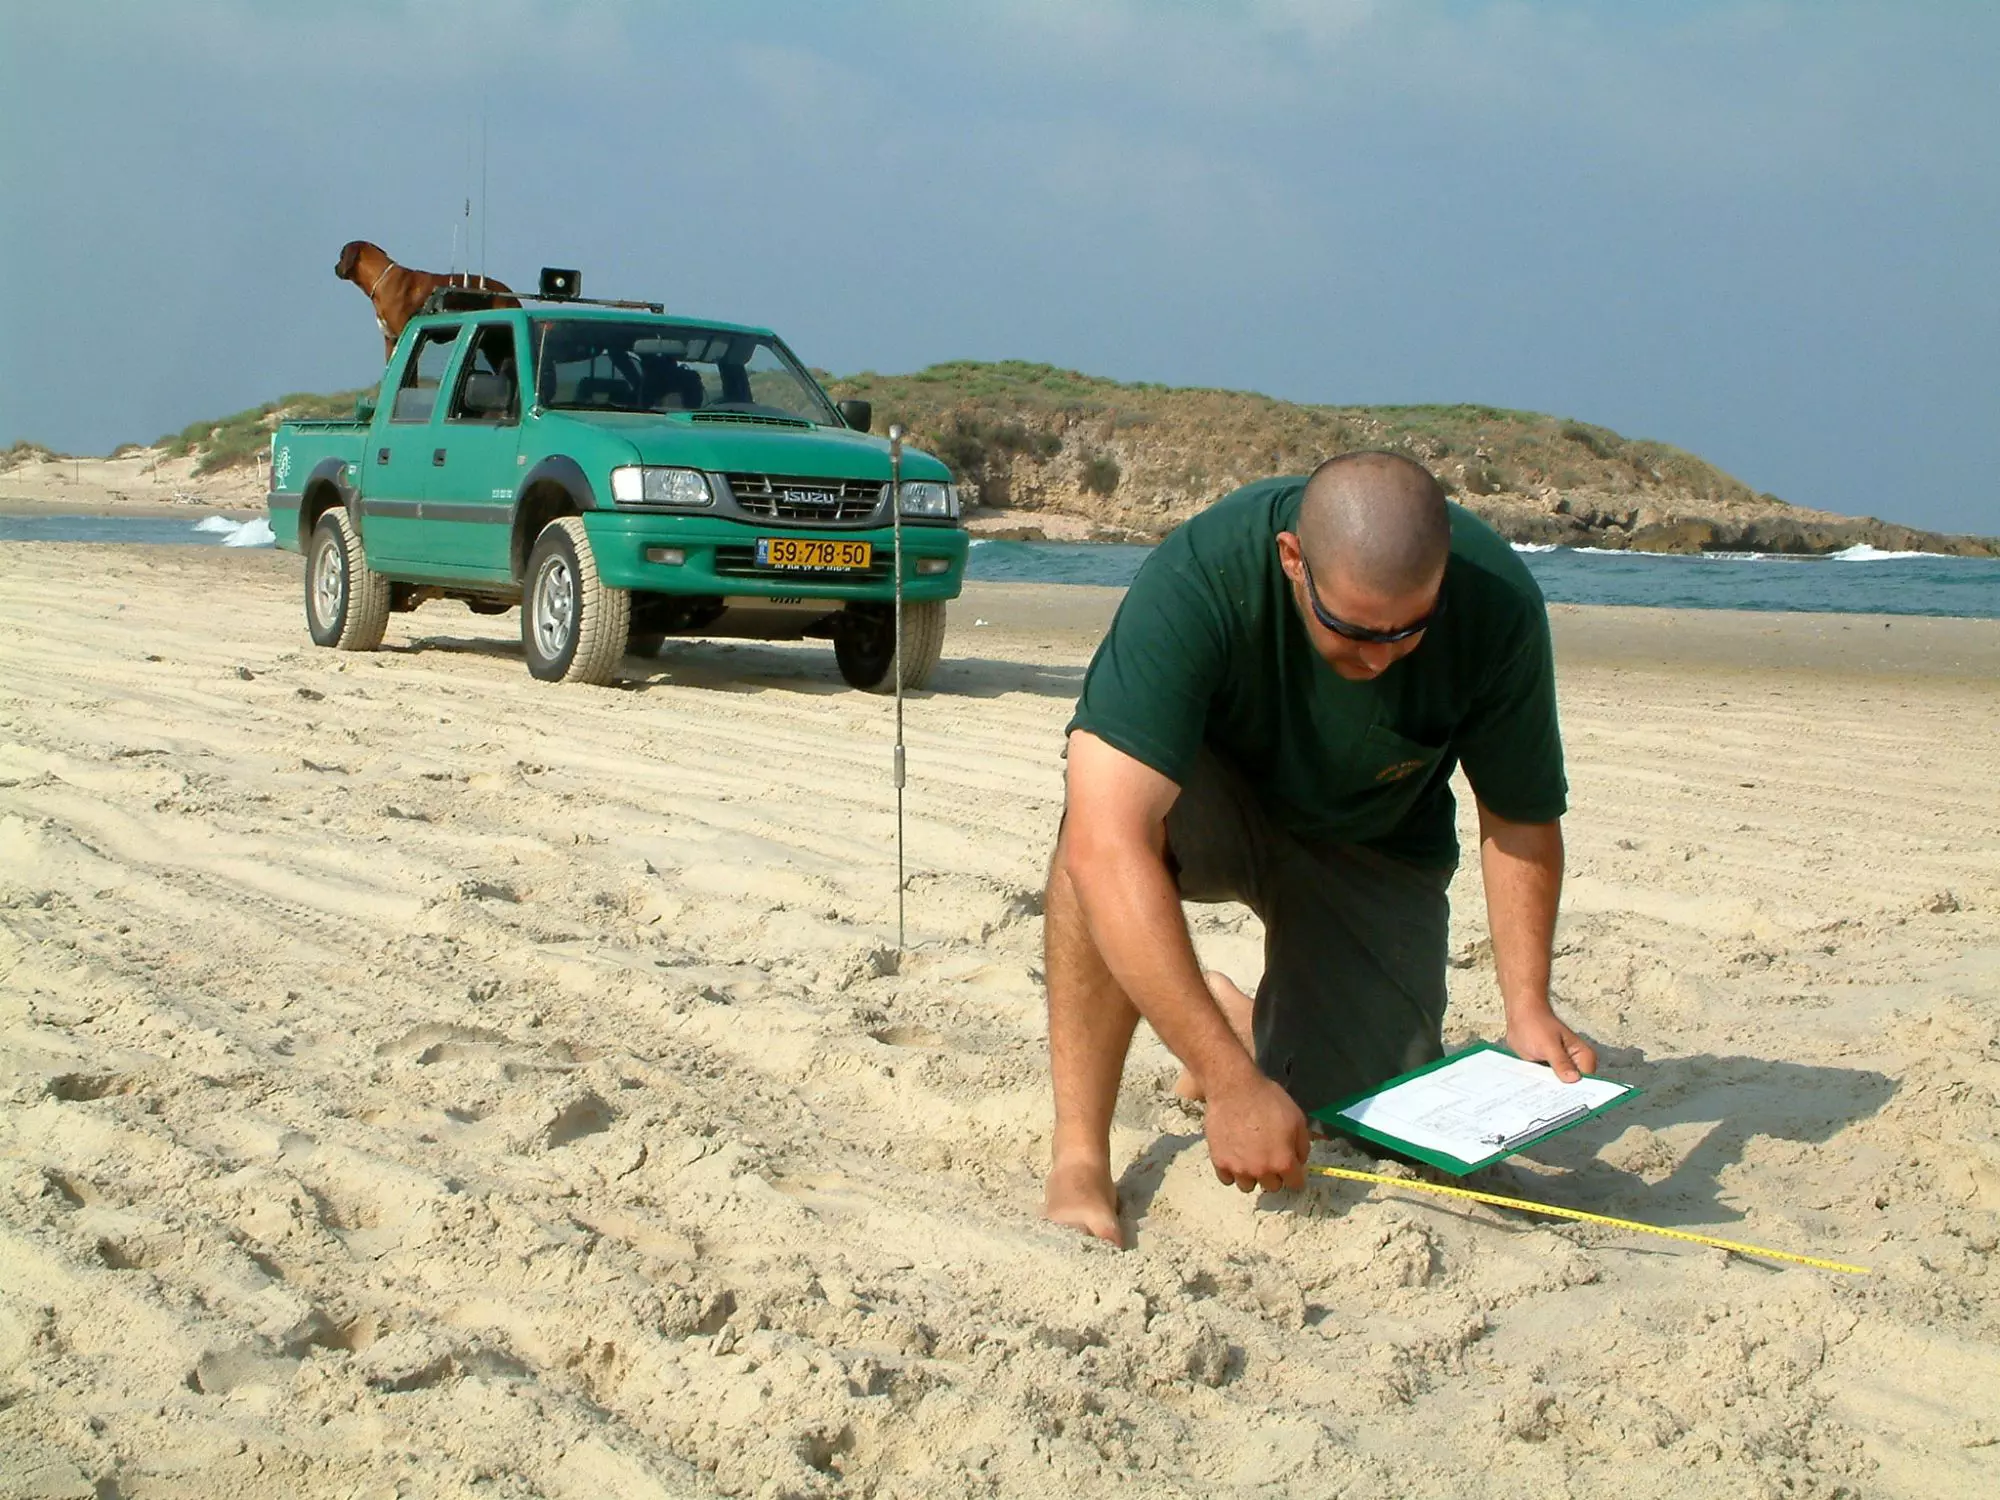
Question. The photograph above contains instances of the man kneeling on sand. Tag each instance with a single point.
(1273, 719)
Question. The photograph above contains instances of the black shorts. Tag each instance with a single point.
(1354, 941)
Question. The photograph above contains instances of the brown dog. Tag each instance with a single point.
(399, 291)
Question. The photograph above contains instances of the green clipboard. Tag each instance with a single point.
(1331, 1117)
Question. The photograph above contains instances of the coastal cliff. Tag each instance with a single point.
(1048, 452)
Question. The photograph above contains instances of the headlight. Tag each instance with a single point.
(650, 486)
(923, 498)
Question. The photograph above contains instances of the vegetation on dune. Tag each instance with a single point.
(242, 438)
(25, 452)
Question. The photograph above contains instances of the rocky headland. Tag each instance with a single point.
(1051, 453)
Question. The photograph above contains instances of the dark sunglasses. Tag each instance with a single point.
(1341, 627)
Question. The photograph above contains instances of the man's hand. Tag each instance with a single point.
(1523, 867)
(1256, 1134)
(1540, 1036)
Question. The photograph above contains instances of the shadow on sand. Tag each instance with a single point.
(1738, 1098)
(726, 666)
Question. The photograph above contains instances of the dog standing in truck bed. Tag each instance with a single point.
(399, 291)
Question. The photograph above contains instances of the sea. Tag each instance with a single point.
(1860, 580)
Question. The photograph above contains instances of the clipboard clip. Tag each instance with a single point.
(1534, 1128)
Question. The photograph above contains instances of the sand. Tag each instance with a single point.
(140, 481)
(416, 1080)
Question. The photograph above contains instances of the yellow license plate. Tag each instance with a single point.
(812, 553)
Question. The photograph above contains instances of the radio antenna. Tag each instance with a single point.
(483, 203)
(896, 509)
(464, 224)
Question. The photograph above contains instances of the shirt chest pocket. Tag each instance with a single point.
(1390, 760)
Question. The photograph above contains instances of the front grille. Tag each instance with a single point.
(785, 497)
(733, 561)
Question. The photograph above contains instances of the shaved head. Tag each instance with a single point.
(1377, 520)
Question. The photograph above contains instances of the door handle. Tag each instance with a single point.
(381, 455)
(437, 458)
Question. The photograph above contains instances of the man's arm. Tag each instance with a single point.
(1114, 835)
(1523, 868)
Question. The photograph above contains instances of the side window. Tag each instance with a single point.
(490, 383)
(416, 397)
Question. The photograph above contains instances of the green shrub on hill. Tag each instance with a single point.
(1101, 474)
(239, 439)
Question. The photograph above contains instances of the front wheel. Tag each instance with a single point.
(347, 602)
(864, 643)
(573, 627)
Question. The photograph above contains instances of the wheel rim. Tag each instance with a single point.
(329, 581)
(555, 607)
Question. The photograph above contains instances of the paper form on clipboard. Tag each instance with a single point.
(1473, 1108)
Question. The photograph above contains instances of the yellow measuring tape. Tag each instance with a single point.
(1417, 1186)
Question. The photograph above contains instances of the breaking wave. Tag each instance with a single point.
(1862, 552)
(254, 533)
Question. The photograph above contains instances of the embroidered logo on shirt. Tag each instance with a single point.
(1399, 770)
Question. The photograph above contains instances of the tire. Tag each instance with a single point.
(864, 644)
(347, 602)
(573, 628)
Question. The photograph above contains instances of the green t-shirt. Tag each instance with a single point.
(1208, 647)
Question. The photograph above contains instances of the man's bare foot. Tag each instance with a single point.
(1236, 1009)
(1081, 1195)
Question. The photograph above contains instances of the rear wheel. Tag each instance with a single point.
(864, 644)
(347, 602)
(573, 627)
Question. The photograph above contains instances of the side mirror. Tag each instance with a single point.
(364, 408)
(860, 415)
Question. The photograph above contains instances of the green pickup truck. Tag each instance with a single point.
(622, 475)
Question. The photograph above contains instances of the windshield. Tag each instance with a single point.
(590, 365)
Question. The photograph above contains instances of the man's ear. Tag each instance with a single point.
(1289, 556)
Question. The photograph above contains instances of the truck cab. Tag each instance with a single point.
(620, 475)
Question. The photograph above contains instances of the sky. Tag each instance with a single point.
(1762, 232)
